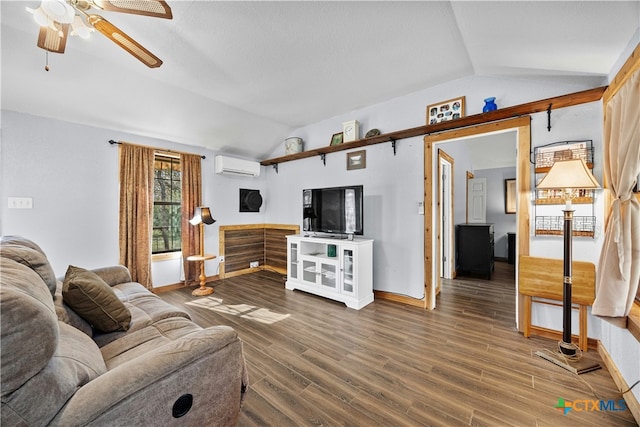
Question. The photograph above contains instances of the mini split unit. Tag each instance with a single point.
(232, 166)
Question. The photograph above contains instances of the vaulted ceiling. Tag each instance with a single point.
(239, 76)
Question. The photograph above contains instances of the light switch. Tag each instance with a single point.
(420, 208)
(20, 203)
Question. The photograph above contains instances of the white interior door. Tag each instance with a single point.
(445, 217)
(477, 200)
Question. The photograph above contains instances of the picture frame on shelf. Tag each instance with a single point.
(446, 110)
(510, 196)
(357, 160)
(336, 139)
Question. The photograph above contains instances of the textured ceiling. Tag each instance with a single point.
(238, 76)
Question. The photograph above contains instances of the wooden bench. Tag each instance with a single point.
(542, 278)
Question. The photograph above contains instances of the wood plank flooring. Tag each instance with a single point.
(313, 361)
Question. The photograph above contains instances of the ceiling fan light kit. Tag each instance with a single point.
(58, 10)
(80, 29)
(39, 16)
(56, 16)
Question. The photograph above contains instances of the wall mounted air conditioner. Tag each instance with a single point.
(232, 166)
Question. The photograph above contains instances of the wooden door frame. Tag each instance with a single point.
(470, 175)
(522, 125)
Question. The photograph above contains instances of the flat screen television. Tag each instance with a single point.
(335, 210)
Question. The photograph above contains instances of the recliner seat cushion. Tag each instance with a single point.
(145, 309)
(141, 342)
(94, 300)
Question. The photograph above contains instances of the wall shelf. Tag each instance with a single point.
(545, 156)
(583, 226)
(590, 95)
(560, 201)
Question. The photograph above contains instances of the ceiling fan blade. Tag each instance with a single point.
(53, 40)
(155, 8)
(124, 41)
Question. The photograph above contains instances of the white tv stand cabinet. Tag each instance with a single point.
(345, 275)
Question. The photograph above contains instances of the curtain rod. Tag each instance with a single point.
(112, 142)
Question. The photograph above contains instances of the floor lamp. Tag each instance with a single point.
(568, 176)
(202, 216)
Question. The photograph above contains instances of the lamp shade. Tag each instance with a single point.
(568, 174)
(202, 215)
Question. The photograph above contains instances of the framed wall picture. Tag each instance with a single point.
(509, 196)
(445, 111)
(357, 160)
(336, 138)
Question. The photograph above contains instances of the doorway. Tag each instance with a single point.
(432, 244)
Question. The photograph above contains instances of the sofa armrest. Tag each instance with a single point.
(114, 275)
(208, 365)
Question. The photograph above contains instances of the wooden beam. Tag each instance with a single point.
(630, 66)
(562, 101)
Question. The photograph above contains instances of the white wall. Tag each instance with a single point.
(393, 185)
(502, 223)
(580, 122)
(71, 173)
(397, 246)
(463, 163)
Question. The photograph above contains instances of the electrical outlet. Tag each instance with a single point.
(253, 264)
(20, 203)
(221, 258)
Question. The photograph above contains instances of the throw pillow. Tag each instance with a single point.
(94, 300)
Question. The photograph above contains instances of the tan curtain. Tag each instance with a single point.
(191, 198)
(136, 211)
(619, 265)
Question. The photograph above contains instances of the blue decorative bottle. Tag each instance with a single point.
(489, 105)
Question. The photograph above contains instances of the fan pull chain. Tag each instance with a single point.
(46, 64)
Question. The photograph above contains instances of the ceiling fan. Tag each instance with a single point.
(57, 17)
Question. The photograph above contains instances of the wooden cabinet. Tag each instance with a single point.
(474, 248)
(511, 248)
(341, 270)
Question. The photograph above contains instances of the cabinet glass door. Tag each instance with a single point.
(328, 276)
(309, 271)
(348, 278)
(293, 260)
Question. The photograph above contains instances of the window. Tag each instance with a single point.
(167, 199)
